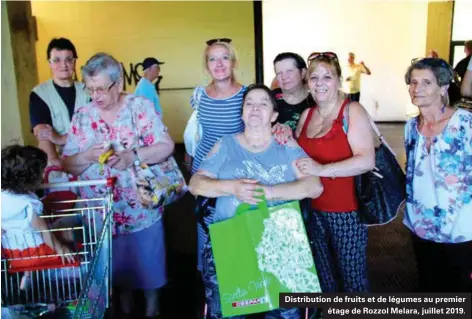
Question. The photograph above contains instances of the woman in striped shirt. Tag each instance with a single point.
(219, 109)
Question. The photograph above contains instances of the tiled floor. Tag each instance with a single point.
(390, 256)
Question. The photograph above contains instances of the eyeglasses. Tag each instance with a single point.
(68, 60)
(213, 41)
(329, 55)
(99, 90)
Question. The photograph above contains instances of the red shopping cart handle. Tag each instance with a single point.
(111, 181)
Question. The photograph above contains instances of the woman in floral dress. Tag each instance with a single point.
(438, 212)
(129, 125)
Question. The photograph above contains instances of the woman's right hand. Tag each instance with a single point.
(93, 153)
(245, 190)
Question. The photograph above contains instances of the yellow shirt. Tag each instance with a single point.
(354, 73)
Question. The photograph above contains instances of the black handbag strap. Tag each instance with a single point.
(202, 210)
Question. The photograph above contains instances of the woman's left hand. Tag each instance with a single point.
(308, 166)
(121, 160)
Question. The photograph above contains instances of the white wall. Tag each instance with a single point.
(11, 124)
(462, 28)
(385, 35)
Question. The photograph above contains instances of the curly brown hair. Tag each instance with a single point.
(22, 168)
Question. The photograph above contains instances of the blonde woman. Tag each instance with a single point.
(219, 108)
(219, 103)
(337, 135)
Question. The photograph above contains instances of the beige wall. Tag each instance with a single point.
(438, 34)
(386, 35)
(11, 124)
(174, 32)
(20, 30)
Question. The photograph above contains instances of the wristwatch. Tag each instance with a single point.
(137, 162)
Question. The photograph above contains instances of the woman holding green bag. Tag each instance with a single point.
(238, 167)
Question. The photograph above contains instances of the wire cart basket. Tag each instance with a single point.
(34, 283)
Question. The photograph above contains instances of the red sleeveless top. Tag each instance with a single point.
(339, 194)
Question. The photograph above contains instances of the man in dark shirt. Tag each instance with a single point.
(461, 67)
(454, 90)
(292, 96)
(52, 103)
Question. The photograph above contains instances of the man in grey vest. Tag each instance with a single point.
(52, 103)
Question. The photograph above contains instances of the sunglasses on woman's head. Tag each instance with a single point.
(316, 55)
(213, 41)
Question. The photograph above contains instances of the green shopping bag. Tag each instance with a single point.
(260, 253)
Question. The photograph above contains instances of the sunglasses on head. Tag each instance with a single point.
(316, 55)
(213, 41)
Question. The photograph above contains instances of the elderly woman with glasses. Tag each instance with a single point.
(129, 126)
(337, 136)
(438, 212)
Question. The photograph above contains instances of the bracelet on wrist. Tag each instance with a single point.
(136, 160)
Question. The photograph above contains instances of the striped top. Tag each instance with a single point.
(218, 117)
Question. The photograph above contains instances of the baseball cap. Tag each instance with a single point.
(150, 62)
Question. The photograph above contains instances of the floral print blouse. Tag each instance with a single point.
(439, 182)
(136, 125)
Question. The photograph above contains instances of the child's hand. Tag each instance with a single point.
(66, 254)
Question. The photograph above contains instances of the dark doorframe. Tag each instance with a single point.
(451, 46)
(452, 50)
(258, 41)
(454, 43)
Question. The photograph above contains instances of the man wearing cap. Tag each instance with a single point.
(145, 87)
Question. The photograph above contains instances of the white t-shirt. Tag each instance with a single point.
(17, 214)
(469, 67)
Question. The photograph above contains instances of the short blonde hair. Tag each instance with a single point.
(231, 51)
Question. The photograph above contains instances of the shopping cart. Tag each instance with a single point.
(83, 288)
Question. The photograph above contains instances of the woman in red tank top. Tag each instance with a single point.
(337, 154)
